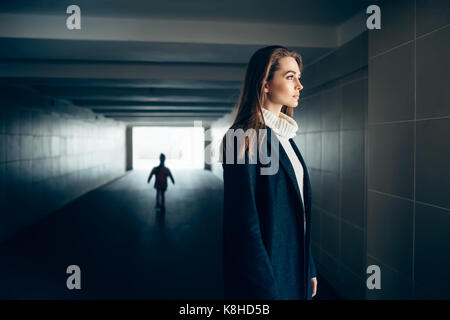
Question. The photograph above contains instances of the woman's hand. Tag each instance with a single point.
(314, 286)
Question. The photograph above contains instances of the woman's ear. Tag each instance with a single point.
(266, 87)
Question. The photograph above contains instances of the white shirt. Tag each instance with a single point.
(285, 128)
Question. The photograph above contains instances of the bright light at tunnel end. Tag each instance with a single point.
(182, 146)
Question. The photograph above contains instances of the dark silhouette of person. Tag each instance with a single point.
(161, 173)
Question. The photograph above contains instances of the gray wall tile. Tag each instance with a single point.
(352, 147)
(429, 293)
(354, 104)
(12, 147)
(433, 159)
(300, 116)
(351, 56)
(330, 151)
(26, 147)
(315, 224)
(315, 177)
(12, 121)
(391, 85)
(330, 234)
(432, 245)
(2, 183)
(431, 14)
(391, 158)
(353, 248)
(331, 108)
(312, 115)
(300, 141)
(352, 201)
(397, 26)
(2, 120)
(2, 148)
(25, 122)
(433, 78)
(390, 231)
(329, 269)
(394, 284)
(330, 189)
(314, 147)
(351, 286)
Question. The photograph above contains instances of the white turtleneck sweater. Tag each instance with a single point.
(285, 128)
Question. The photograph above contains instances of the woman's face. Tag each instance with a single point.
(285, 86)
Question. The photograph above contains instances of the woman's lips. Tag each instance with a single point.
(296, 96)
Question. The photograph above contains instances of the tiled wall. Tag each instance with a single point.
(409, 150)
(50, 154)
(332, 131)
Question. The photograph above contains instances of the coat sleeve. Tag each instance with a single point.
(247, 269)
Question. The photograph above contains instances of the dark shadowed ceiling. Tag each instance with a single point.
(161, 62)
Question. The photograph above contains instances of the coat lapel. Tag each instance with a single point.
(286, 164)
(308, 197)
(306, 182)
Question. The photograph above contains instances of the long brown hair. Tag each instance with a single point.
(261, 68)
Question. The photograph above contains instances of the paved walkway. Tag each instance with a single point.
(123, 246)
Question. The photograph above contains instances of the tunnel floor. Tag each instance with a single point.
(125, 249)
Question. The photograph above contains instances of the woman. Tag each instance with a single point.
(267, 218)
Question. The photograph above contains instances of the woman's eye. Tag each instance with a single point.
(292, 77)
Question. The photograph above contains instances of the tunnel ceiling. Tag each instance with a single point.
(160, 62)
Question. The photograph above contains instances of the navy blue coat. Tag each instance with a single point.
(266, 249)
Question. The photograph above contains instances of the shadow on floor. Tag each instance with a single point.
(124, 247)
